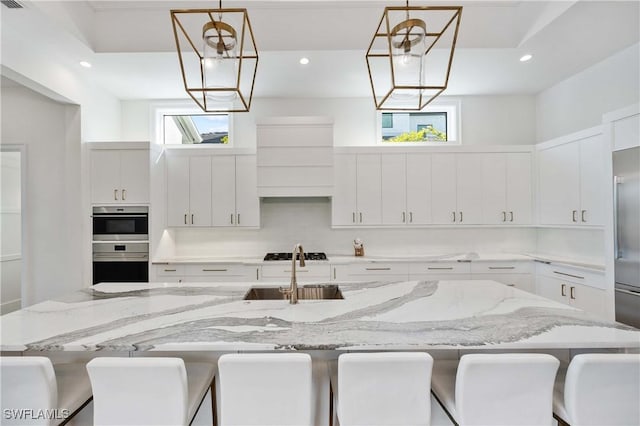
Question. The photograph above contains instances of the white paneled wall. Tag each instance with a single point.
(308, 221)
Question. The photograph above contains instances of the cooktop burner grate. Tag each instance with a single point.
(287, 256)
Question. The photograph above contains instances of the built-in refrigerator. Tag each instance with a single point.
(626, 170)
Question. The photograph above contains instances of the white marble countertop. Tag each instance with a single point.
(401, 315)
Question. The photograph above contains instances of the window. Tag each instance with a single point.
(196, 129)
(434, 125)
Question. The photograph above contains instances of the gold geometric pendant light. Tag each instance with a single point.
(409, 58)
(218, 57)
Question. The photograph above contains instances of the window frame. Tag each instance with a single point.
(451, 108)
(159, 111)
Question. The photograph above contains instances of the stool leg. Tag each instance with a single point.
(560, 421)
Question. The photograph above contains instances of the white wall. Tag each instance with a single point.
(53, 241)
(486, 120)
(10, 228)
(308, 221)
(580, 101)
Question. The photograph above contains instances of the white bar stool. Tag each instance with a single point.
(33, 383)
(599, 389)
(148, 391)
(497, 389)
(265, 389)
(388, 388)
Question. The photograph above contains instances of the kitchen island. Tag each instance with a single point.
(401, 315)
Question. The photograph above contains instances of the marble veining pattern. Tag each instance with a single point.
(373, 315)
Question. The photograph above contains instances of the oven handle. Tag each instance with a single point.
(117, 216)
(127, 258)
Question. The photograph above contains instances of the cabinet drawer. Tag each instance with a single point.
(382, 268)
(501, 267)
(571, 274)
(169, 270)
(217, 269)
(284, 271)
(439, 268)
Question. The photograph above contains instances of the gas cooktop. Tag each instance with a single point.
(288, 256)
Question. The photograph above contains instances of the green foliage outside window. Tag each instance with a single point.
(428, 134)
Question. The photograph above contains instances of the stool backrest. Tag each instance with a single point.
(390, 388)
(265, 389)
(505, 389)
(139, 391)
(28, 385)
(603, 389)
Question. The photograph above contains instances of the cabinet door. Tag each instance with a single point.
(469, 188)
(494, 194)
(369, 197)
(519, 192)
(178, 191)
(343, 203)
(419, 189)
(247, 201)
(200, 191)
(552, 288)
(443, 189)
(394, 184)
(592, 181)
(134, 175)
(559, 184)
(105, 176)
(223, 190)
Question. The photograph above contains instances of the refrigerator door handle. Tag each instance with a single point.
(616, 244)
(630, 292)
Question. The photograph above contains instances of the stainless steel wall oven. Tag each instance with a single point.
(120, 244)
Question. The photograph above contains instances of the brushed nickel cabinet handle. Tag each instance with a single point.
(124, 194)
(439, 268)
(378, 269)
(460, 217)
(238, 216)
(185, 218)
(511, 285)
(404, 217)
(360, 217)
(454, 216)
(511, 220)
(288, 271)
(410, 217)
(504, 216)
(353, 217)
(582, 213)
(502, 267)
(257, 274)
(573, 215)
(231, 215)
(334, 273)
(214, 270)
(563, 290)
(192, 218)
(572, 291)
(170, 270)
(568, 275)
(115, 194)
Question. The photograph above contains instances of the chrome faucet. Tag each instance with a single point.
(292, 291)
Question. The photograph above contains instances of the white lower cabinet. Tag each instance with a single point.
(513, 274)
(281, 272)
(370, 271)
(440, 271)
(583, 289)
(206, 272)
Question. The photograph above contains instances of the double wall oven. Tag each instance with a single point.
(120, 244)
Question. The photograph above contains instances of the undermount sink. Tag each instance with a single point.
(307, 292)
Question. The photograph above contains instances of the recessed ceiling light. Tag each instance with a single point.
(526, 57)
(304, 61)
(85, 64)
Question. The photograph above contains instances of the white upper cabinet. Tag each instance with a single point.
(357, 194)
(188, 191)
(119, 176)
(456, 183)
(406, 189)
(507, 194)
(247, 201)
(571, 178)
(223, 189)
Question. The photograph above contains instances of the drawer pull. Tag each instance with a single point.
(563, 290)
(378, 269)
(170, 270)
(334, 273)
(214, 270)
(502, 267)
(433, 268)
(511, 285)
(297, 270)
(568, 275)
(572, 292)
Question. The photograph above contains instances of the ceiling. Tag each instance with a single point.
(131, 45)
